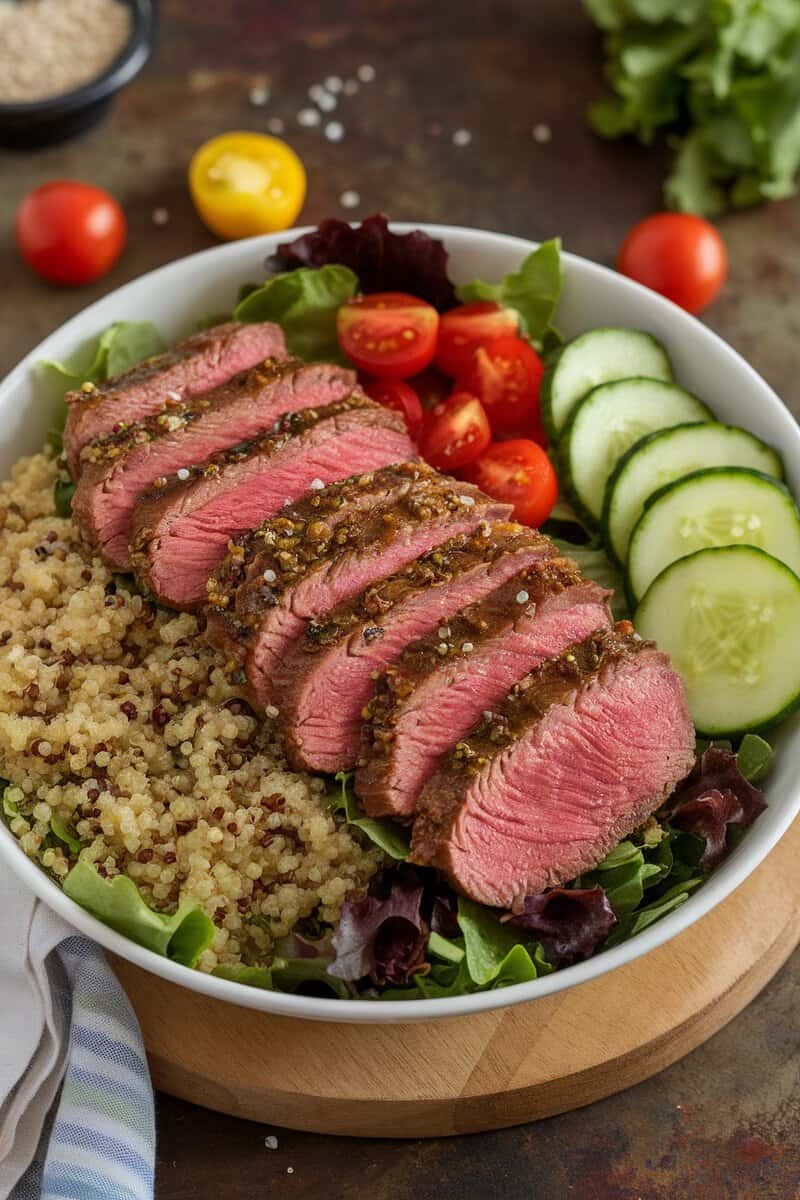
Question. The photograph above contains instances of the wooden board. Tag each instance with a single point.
(486, 1071)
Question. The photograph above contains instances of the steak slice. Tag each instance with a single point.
(181, 531)
(307, 565)
(578, 755)
(430, 699)
(196, 365)
(325, 681)
(119, 467)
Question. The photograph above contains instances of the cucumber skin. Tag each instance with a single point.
(794, 704)
(546, 389)
(649, 437)
(633, 603)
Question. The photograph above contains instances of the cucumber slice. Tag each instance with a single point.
(729, 617)
(724, 506)
(666, 455)
(591, 359)
(607, 422)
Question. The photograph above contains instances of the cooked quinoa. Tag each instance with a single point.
(115, 718)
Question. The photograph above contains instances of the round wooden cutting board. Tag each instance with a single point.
(485, 1071)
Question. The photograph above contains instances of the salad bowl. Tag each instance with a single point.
(173, 297)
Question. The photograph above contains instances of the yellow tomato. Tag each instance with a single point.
(243, 184)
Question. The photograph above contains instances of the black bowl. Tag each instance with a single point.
(42, 122)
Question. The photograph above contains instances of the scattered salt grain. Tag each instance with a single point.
(271, 1142)
(176, 396)
(462, 137)
(350, 199)
(275, 125)
(468, 500)
(269, 576)
(326, 102)
(315, 91)
(443, 631)
(290, 1170)
(308, 117)
(487, 714)
(316, 485)
(259, 95)
(334, 84)
(542, 133)
(334, 131)
(183, 473)
(522, 597)
(350, 87)
(160, 216)
(271, 711)
(366, 73)
(467, 647)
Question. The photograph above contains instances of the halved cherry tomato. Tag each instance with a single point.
(677, 254)
(519, 472)
(246, 183)
(462, 330)
(399, 395)
(69, 232)
(389, 334)
(506, 375)
(454, 432)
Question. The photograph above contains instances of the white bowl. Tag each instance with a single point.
(174, 297)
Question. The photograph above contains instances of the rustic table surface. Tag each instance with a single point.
(725, 1122)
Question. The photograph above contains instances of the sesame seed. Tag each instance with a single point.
(334, 131)
(160, 216)
(467, 647)
(269, 576)
(308, 117)
(366, 73)
(350, 87)
(542, 133)
(271, 1142)
(462, 137)
(183, 473)
(271, 711)
(316, 485)
(350, 199)
(259, 95)
(326, 102)
(334, 84)
(275, 125)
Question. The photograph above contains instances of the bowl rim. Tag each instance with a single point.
(121, 70)
(750, 853)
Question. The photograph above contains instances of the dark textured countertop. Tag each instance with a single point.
(725, 1122)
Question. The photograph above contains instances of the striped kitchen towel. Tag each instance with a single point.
(94, 1139)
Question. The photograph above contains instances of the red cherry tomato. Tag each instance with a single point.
(432, 387)
(70, 233)
(677, 254)
(506, 374)
(463, 329)
(399, 395)
(519, 472)
(388, 334)
(454, 432)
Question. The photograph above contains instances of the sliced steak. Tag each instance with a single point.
(437, 691)
(119, 467)
(578, 755)
(325, 681)
(181, 531)
(307, 566)
(196, 365)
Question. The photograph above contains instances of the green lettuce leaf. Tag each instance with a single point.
(754, 758)
(595, 564)
(288, 975)
(63, 491)
(495, 951)
(393, 839)
(304, 303)
(118, 903)
(64, 834)
(534, 291)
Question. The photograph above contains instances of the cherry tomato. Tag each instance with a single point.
(388, 334)
(519, 472)
(677, 254)
(243, 184)
(432, 387)
(396, 394)
(463, 329)
(506, 374)
(69, 232)
(454, 432)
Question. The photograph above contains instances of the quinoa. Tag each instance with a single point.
(116, 719)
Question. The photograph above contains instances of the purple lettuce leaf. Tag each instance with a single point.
(382, 260)
(569, 922)
(382, 936)
(714, 796)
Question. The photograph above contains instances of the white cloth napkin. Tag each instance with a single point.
(76, 1103)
